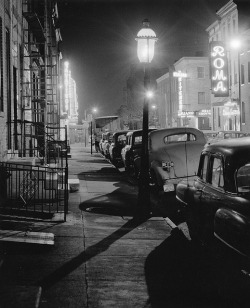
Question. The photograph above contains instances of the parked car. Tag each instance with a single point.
(228, 135)
(118, 142)
(104, 140)
(132, 150)
(218, 199)
(106, 145)
(174, 154)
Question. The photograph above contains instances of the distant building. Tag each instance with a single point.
(232, 110)
(134, 94)
(184, 94)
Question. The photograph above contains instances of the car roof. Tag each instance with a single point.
(161, 133)
(234, 146)
(139, 131)
(120, 132)
(235, 152)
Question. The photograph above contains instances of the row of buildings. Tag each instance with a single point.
(37, 92)
(212, 92)
(209, 92)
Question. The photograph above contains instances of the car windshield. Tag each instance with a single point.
(243, 179)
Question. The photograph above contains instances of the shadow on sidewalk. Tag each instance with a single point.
(86, 255)
(182, 274)
(116, 203)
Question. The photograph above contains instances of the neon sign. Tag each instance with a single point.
(180, 75)
(204, 112)
(219, 69)
(185, 114)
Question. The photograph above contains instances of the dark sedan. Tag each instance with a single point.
(118, 142)
(131, 153)
(218, 201)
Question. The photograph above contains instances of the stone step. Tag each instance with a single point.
(40, 238)
(74, 184)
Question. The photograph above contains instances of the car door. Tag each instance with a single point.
(213, 195)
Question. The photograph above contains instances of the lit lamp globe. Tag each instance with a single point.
(235, 44)
(146, 39)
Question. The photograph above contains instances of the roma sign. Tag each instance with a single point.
(219, 69)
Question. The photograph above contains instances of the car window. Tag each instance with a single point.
(217, 173)
(243, 178)
(203, 167)
(138, 140)
(121, 139)
(128, 140)
(179, 137)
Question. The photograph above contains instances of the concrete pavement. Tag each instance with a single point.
(99, 255)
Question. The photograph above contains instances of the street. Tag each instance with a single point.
(103, 258)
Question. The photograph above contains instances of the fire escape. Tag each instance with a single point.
(34, 179)
(40, 95)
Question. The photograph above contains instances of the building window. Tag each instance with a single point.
(223, 33)
(235, 73)
(234, 26)
(200, 72)
(219, 118)
(242, 75)
(1, 65)
(201, 98)
(248, 71)
(243, 112)
(228, 29)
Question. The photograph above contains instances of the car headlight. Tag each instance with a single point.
(168, 187)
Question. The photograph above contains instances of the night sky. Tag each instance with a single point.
(99, 41)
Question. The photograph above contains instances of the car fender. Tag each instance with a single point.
(232, 228)
(158, 172)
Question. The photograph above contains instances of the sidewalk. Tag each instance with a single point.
(99, 255)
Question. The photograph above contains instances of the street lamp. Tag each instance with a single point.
(146, 39)
(236, 45)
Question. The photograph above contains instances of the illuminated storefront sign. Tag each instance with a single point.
(204, 112)
(180, 75)
(185, 114)
(231, 109)
(219, 69)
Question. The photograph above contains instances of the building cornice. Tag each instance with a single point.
(226, 9)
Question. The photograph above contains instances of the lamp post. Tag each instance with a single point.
(236, 45)
(146, 39)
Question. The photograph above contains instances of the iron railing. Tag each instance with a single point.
(33, 190)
